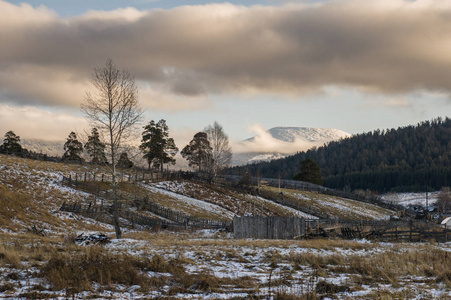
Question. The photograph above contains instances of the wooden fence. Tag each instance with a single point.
(307, 186)
(268, 227)
(178, 217)
(120, 177)
(407, 230)
(297, 228)
(233, 180)
(104, 212)
(144, 203)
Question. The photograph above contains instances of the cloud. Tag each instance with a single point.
(264, 142)
(31, 123)
(190, 52)
(159, 98)
(392, 102)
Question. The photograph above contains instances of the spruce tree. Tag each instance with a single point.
(73, 149)
(124, 162)
(310, 172)
(95, 148)
(157, 146)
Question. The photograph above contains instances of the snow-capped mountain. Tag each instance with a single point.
(278, 142)
(293, 134)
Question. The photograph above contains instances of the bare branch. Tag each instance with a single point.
(114, 110)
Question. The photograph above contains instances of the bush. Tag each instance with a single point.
(77, 273)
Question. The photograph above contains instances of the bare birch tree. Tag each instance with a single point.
(114, 110)
(219, 141)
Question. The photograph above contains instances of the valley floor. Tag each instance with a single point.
(211, 265)
(204, 264)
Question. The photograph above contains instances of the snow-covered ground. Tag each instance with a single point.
(239, 268)
(411, 199)
(233, 204)
(354, 207)
(344, 208)
(193, 203)
(249, 267)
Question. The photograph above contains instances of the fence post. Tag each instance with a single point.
(85, 176)
(103, 176)
(446, 234)
(410, 232)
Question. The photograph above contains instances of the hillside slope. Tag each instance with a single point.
(31, 195)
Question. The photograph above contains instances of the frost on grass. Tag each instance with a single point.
(192, 266)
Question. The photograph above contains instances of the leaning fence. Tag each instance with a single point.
(259, 227)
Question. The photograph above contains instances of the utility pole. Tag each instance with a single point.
(427, 185)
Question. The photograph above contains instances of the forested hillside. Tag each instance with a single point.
(404, 159)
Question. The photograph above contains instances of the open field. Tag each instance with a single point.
(195, 264)
(211, 265)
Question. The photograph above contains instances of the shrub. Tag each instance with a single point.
(76, 273)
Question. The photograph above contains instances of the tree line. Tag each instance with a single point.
(113, 110)
(411, 158)
(208, 151)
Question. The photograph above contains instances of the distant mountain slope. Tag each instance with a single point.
(293, 134)
(278, 142)
(51, 148)
(402, 159)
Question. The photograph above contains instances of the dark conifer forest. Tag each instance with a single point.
(405, 159)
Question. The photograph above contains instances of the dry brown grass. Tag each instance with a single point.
(76, 273)
(229, 199)
(326, 204)
(30, 195)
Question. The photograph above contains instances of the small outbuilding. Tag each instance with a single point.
(447, 222)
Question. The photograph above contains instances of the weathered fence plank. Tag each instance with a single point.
(259, 227)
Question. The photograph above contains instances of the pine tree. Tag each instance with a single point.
(310, 172)
(11, 144)
(95, 148)
(73, 149)
(124, 162)
(157, 146)
(199, 152)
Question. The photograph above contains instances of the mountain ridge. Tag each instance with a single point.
(281, 141)
(312, 134)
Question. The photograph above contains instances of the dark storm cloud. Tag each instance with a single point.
(388, 47)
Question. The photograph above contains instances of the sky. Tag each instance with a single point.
(353, 65)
